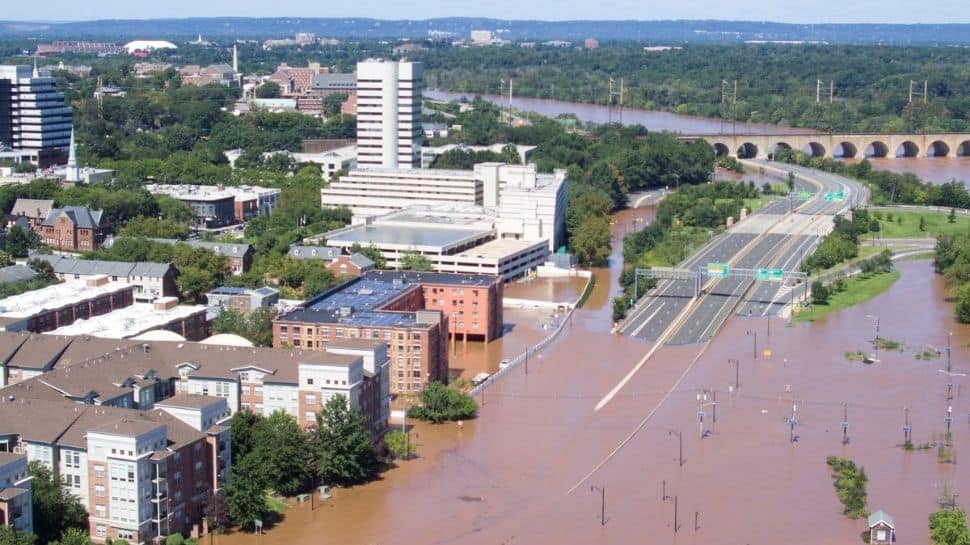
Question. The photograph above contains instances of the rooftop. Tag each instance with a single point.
(419, 237)
(129, 321)
(16, 273)
(360, 301)
(500, 248)
(190, 401)
(56, 296)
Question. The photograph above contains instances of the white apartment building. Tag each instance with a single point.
(375, 192)
(388, 114)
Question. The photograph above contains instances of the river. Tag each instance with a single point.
(933, 170)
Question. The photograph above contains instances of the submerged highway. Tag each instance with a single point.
(778, 236)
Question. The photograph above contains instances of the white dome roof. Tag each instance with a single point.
(148, 45)
(228, 339)
(159, 335)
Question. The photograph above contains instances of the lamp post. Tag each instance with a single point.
(680, 443)
(602, 491)
(737, 373)
(702, 400)
(755, 335)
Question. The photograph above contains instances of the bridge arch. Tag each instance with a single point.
(777, 146)
(963, 150)
(907, 149)
(877, 149)
(938, 148)
(721, 149)
(845, 150)
(814, 149)
(747, 151)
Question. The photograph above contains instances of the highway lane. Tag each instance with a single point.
(784, 245)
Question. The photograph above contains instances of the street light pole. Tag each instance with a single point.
(755, 335)
(737, 373)
(680, 442)
(602, 490)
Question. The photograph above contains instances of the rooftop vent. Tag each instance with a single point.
(345, 312)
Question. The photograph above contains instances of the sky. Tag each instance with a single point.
(788, 11)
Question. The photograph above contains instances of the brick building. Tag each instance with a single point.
(60, 305)
(351, 265)
(415, 314)
(15, 493)
(35, 210)
(74, 228)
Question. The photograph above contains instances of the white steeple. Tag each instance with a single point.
(36, 71)
(235, 59)
(72, 172)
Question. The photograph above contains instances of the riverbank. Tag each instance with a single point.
(914, 224)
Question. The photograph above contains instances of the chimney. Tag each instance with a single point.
(97, 280)
(165, 303)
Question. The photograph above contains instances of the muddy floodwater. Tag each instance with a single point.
(531, 468)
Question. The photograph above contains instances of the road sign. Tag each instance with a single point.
(718, 270)
(804, 195)
(770, 275)
(838, 196)
(827, 196)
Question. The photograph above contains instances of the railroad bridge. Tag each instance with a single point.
(836, 145)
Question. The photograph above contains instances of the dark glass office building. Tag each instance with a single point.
(33, 116)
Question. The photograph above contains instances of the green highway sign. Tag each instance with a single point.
(719, 270)
(834, 196)
(770, 275)
(804, 195)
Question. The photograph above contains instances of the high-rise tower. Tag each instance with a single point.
(33, 116)
(389, 114)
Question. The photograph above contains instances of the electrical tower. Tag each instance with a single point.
(618, 92)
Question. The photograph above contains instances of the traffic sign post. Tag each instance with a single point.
(718, 270)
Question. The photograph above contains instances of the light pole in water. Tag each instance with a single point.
(680, 442)
(737, 373)
(602, 491)
(755, 335)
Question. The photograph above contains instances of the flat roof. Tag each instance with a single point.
(128, 321)
(405, 236)
(500, 248)
(59, 295)
(359, 301)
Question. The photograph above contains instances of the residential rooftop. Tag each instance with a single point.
(56, 296)
(129, 321)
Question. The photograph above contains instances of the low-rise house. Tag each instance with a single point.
(238, 255)
(151, 280)
(351, 265)
(35, 210)
(323, 253)
(243, 300)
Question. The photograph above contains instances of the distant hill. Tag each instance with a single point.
(645, 31)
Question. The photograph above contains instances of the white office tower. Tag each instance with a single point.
(33, 115)
(388, 114)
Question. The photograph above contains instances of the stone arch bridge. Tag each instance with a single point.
(845, 145)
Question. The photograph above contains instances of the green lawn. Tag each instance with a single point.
(920, 256)
(274, 505)
(865, 252)
(935, 224)
(859, 289)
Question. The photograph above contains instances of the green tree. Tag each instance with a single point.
(414, 261)
(269, 89)
(439, 403)
(949, 527)
(952, 217)
(73, 536)
(343, 449)
(43, 268)
(820, 293)
(20, 241)
(242, 431)
(5, 259)
(283, 452)
(922, 223)
(399, 444)
(216, 510)
(142, 226)
(620, 308)
(591, 242)
(9, 536)
(246, 492)
(54, 509)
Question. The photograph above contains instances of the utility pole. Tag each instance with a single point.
(755, 335)
(734, 112)
(510, 102)
(663, 490)
(697, 516)
(676, 525)
(949, 420)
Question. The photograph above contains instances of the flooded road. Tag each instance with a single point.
(523, 471)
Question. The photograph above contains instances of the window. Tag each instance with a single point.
(880, 535)
(99, 470)
(100, 530)
(100, 511)
(99, 490)
(310, 416)
(310, 399)
(309, 381)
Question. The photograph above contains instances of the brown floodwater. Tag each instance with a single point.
(522, 471)
(936, 170)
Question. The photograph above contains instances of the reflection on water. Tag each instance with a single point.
(936, 170)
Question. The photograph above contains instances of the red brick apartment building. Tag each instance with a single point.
(415, 314)
(60, 305)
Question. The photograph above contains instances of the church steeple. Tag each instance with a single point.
(36, 71)
(73, 172)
